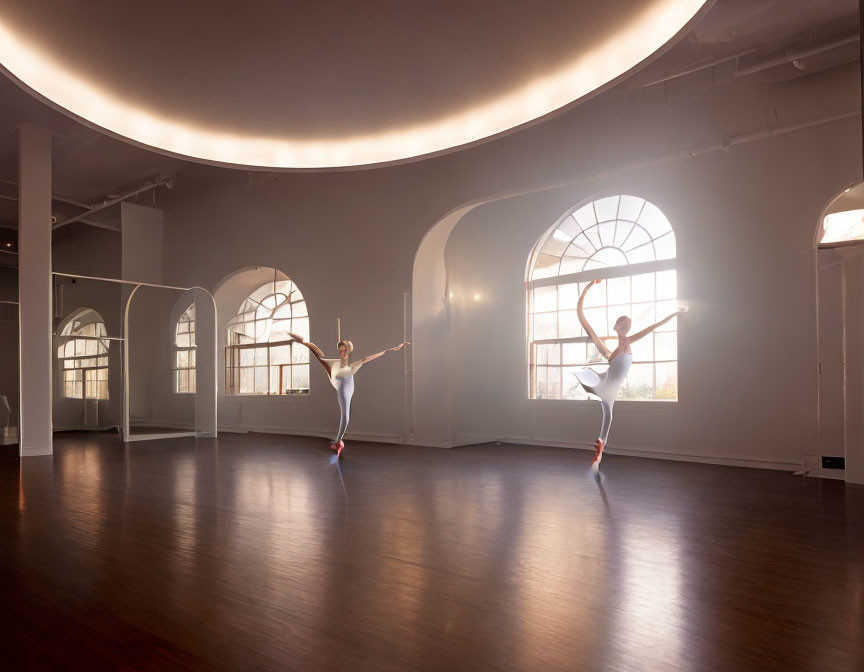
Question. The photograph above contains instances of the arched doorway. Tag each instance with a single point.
(839, 254)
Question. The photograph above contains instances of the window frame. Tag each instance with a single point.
(233, 351)
(629, 270)
(83, 376)
(191, 349)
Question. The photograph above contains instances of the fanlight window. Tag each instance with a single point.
(83, 357)
(842, 227)
(260, 357)
(629, 244)
(184, 352)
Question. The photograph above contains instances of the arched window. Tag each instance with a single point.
(629, 243)
(260, 358)
(83, 356)
(184, 352)
(843, 219)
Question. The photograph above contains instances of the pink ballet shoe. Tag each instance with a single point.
(598, 455)
(338, 446)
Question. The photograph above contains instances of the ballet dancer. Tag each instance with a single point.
(606, 385)
(341, 373)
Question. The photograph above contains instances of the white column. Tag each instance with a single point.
(35, 289)
(142, 249)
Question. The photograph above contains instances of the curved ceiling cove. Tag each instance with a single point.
(299, 85)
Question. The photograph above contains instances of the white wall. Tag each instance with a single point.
(745, 358)
(744, 219)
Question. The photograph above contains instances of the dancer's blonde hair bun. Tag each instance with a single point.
(349, 344)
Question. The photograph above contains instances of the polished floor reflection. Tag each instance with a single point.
(249, 552)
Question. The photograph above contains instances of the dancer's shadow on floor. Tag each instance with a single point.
(599, 477)
(337, 462)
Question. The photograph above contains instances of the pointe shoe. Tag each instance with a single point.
(598, 455)
(338, 446)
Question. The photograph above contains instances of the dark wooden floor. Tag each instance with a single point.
(246, 553)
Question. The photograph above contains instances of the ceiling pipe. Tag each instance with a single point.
(756, 67)
(693, 151)
(88, 222)
(705, 65)
(165, 181)
(741, 138)
(797, 56)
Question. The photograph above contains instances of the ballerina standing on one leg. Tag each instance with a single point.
(606, 385)
(341, 373)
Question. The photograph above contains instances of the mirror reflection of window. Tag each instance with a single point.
(83, 357)
(184, 352)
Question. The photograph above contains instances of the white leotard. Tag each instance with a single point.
(606, 385)
(338, 370)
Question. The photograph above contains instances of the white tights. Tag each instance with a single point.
(344, 392)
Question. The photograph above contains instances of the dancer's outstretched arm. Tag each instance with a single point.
(314, 349)
(648, 330)
(360, 362)
(598, 342)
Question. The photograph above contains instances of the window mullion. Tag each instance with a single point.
(605, 273)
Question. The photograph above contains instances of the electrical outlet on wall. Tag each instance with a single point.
(833, 462)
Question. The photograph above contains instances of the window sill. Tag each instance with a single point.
(304, 395)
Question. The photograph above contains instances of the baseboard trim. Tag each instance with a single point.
(831, 474)
(184, 426)
(182, 430)
(35, 451)
(155, 437)
(429, 441)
